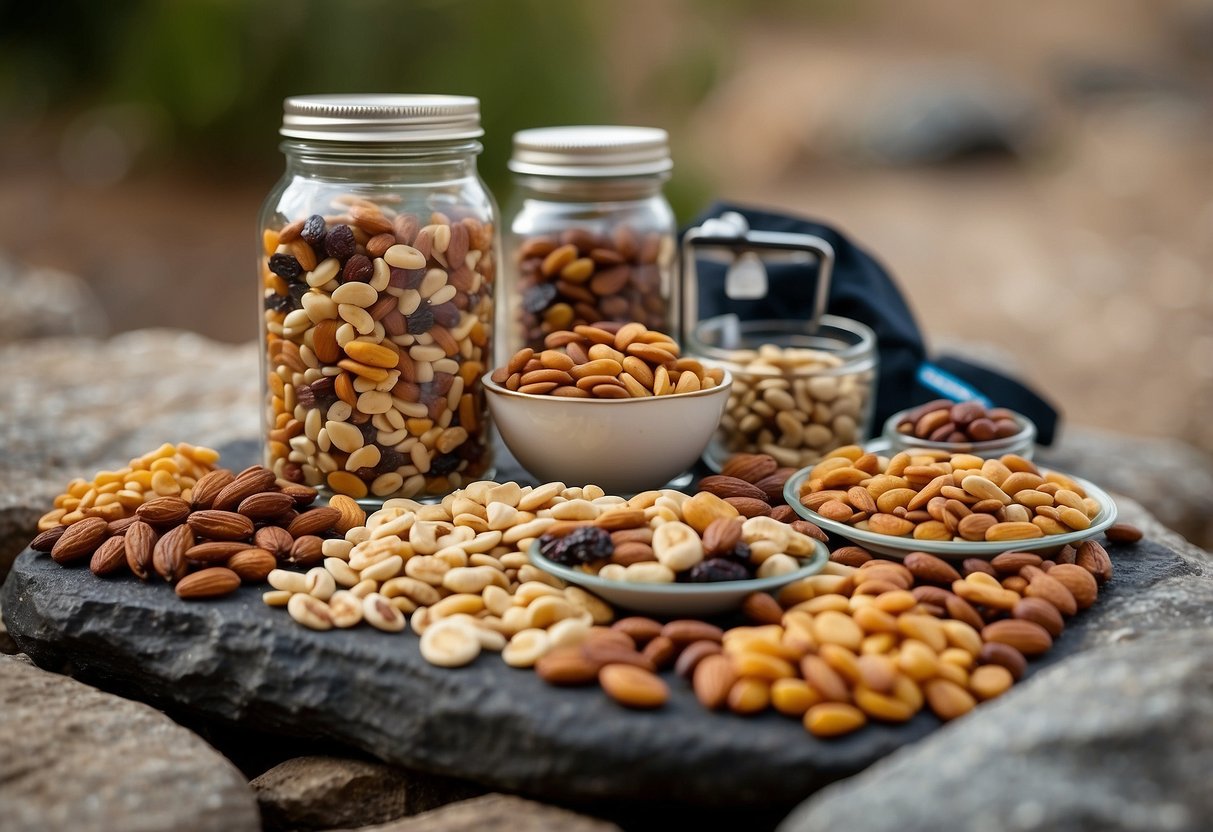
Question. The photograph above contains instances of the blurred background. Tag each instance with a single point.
(1039, 182)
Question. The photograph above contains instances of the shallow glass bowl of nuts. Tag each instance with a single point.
(954, 506)
(961, 427)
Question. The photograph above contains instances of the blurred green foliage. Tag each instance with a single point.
(205, 78)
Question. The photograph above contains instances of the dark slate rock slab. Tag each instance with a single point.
(237, 660)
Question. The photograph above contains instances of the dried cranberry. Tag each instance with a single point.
(358, 268)
(444, 464)
(285, 266)
(339, 242)
(583, 545)
(313, 230)
(279, 303)
(717, 569)
(421, 321)
(446, 314)
(538, 298)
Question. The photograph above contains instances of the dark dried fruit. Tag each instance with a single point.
(538, 298)
(279, 303)
(358, 268)
(285, 266)
(739, 553)
(313, 230)
(584, 545)
(443, 465)
(717, 569)
(305, 396)
(391, 460)
(340, 243)
(446, 314)
(405, 278)
(421, 321)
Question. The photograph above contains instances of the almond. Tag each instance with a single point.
(748, 506)
(109, 558)
(850, 555)
(275, 540)
(1041, 612)
(926, 567)
(1003, 655)
(252, 565)
(890, 524)
(749, 467)
(703, 508)
(660, 651)
(970, 565)
(1012, 530)
(1009, 563)
(215, 551)
(306, 551)
(250, 481)
(352, 514)
(220, 525)
(566, 666)
(633, 687)
(140, 543)
(163, 512)
(692, 655)
(1048, 588)
(208, 583)
(313, 521)
(927, 594)
(961, 610)
(1027, 637)
(783, 513)
(861, 499)
(1094, 558)
(266, 505)
(614, 520)
(168, 557)
(809, 530)
(975, 526)
(603, 652)
(640, 629)
(947, 699)
(726, 487)
(208, 487)
(1079, 581)
(713, 678)
(303, 495)
(773, 484)
(687, 630)
(824, 679)
(762, 608)
(80, 540)
(120, 525)
(721, 536)
(1122, 533)
(45, 541)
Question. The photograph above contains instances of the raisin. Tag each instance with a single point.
(444, 464)
(389, 461)
(583, 545)
(369, 432)
(339, 243)
(538, 298)
(285, 266)
(446, 314)
(739, 553)
(313, 230)
(405, 278)
(358, 268)
(279, 303)
(297, 290)
(717, 569)
(421, 321)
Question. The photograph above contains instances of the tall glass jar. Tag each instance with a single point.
(378, 258)
(591, 236)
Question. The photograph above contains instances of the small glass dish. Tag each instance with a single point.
(956, 550)
(680, 599)
(1022, 443)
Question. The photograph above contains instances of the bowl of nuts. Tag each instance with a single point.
(961, 427)
(611, 404)
(955, 506)
(680, 572)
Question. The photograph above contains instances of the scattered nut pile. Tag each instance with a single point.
(221, 530)
(794, 404)
(933, 495)
(580, 277)
(943, 420)
(606, 360)
(378, 327)
(168, 471)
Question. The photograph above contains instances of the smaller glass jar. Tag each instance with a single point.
(590, 235)
(1022, 442)
(797, 394)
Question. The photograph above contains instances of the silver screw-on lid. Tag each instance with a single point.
(381, 118)
(591, 151)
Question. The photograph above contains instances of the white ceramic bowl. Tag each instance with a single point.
(898, 547)
(623, 445)
(674, 600)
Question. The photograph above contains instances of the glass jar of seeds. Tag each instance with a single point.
(798, 392)
(378, 258)
(591, 236)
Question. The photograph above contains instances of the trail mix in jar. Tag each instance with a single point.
(377, 329)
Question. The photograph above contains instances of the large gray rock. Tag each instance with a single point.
(496, 813)
(73, 406)
(46, 303)
(76, 758)
(324, 792)
(1118, 738)
(7, 645)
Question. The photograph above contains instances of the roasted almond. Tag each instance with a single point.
(119, 526)
(306, 551)
(168, 557)
(566, 666)
(640, 629)
(1094, 558)
(772, 485)
(749, 507)
(712, 679)
(992, 652)
(140, 543)
(1122, 533)
(109, 558)
(687, 630)
(1053, 591)
(726, 487)
(947, 699)
(809, 529)
(163, 512)
(208, 583)
(350, 513)
(277, 541)
(633, 687)
(208, 487)
(45, 541)
(1027, 637)
(1041, 612)
(721, 536)
(926, 567)
(215, 551)
(252, 565)
(1079, 581)
(1009, 563)
(618, 519)
(749, 467)
(850, 555)
(692, 654)
(660, 651)
(266, 505)
(80, 540)
(313, 521)
(220, 525)
(604, 652)
(961, 610)
(250, 481)
(762, 608)
(303, 495)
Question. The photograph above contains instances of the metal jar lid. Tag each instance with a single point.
(381, 118)
(591, 151)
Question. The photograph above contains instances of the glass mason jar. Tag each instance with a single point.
(379, 252)
(591, 236)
